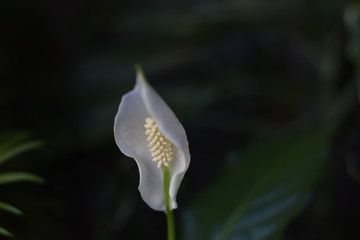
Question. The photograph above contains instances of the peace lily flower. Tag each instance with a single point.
(147, 130)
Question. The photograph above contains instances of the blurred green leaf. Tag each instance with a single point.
(9, 139)
(10, 146)
(260, 189)
(11, 177)
(6, 154)
(5, 232)
(9, 208)
(352, 24)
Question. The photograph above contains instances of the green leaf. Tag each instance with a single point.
(5, 232)
(7, 154)
(11, 177)
(9, 208)
(9, 139)
(352, 24)
(260, 189)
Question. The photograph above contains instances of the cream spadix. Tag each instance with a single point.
(148, 131)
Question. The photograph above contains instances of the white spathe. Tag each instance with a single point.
(135, 106)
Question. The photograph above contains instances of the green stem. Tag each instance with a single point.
(169, 215)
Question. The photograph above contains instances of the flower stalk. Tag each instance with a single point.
(168, 211)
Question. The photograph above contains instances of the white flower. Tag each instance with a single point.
(147, 130)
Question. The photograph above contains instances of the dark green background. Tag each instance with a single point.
(234, 72)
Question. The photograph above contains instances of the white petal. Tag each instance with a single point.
(135, 107)
(130, 137)
(171, 128)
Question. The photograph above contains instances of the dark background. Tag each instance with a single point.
(232, 71)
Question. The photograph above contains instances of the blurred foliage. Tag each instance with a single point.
(352, 21)
(234, 72)
(10, 146)
(259, 189)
